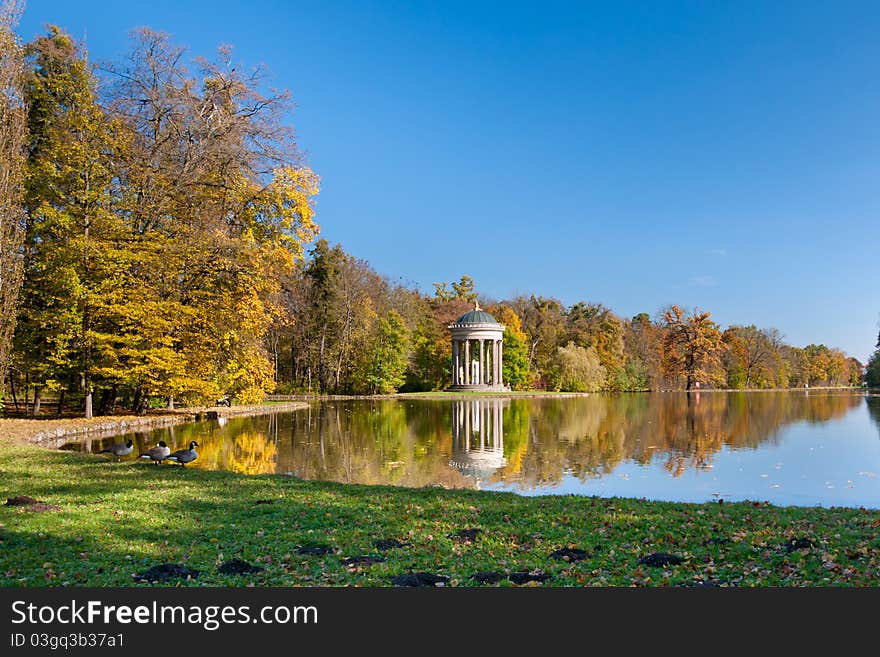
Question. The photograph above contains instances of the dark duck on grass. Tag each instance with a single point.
(184, 456)
(119, 449)
(157, 453)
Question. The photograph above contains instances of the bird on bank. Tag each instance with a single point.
(119, 449)
(184, 456)
(157, 453)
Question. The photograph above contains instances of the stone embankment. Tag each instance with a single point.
(54, 433)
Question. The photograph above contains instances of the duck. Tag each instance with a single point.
(157, 453)
(184, 456)
(119, 449)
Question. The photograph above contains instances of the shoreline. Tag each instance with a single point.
(546, 394)
(52, 433)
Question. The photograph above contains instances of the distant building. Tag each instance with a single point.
(477, 352)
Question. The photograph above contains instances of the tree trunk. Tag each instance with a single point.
(60, 408)
(136, 402)
(12, 390)
(88, 413)
(170, 405)
(108, 401)
(143, 405)
(38, 398)
(322, 379)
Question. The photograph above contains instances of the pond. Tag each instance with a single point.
(789, 448)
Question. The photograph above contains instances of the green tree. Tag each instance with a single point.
(464, 290)
(385, 367)
(872, 369)
(13, 137)
(642, 348)
(578, 369)
(544, 323)
(594, 325)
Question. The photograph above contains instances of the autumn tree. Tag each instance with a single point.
(752, 356)
(817, 361)
(219, 206)
(692, 346)
(515, 360)
(855, 372)
(13, 136)
(71, 232)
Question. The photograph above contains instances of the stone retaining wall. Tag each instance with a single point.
(54, 433)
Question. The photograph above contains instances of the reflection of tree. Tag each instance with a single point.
(247, 446)
(515, 418)
(405, 443)
(873, 403)
(251, 453)
(410, 442)
(590, 437)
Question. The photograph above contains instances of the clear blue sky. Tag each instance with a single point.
(720, 155)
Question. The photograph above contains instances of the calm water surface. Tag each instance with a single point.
(815, 448)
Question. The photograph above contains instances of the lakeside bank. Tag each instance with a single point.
(52, 433)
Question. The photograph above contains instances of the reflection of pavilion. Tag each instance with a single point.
(477, 438)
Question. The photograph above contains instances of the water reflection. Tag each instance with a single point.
(478, 438)
(542, 445)
(873, 402)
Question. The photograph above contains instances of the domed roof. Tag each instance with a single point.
(476, 317)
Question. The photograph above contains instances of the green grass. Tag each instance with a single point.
(117, 519)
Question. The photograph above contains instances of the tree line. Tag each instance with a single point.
(360, 334)
(152, 209)
(157, 246)
(872, 370)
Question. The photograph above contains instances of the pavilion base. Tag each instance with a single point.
(479, 388)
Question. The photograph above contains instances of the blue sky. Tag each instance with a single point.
(719, 155)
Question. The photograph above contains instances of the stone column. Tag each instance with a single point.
(488, 367)
(493, 361)
(467, 362)
(500, 363)
(455, 362)
(481, 369)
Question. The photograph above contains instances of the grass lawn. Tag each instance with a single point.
(118, 519)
